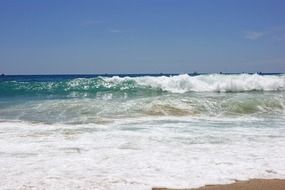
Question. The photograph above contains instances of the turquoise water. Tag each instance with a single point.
(139, 131)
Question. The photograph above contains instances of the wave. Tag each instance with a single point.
(103, 110)
(147, 85)
(74, 87)
(213, 83)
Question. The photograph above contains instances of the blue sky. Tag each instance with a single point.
(141, 36)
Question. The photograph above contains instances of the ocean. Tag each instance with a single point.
(114, 132)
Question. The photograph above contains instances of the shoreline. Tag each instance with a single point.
(252, 184)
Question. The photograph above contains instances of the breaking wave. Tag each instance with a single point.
(210, 83)
(147, 85)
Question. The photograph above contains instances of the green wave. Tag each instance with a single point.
(79, 87)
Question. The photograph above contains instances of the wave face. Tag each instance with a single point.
(79, 86)
(146, 85)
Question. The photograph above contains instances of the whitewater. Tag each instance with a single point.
(140, 131)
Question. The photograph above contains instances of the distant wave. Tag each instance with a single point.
(147, 84)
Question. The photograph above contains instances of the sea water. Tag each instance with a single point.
(140, 131)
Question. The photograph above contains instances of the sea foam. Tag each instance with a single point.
(174, 153)
(209, 83)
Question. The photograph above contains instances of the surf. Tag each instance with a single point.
(143, 85)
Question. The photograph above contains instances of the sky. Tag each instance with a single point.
(141, 36)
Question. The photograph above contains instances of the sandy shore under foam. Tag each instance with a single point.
(253, 184)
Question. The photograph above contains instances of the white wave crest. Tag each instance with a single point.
(209, 83)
